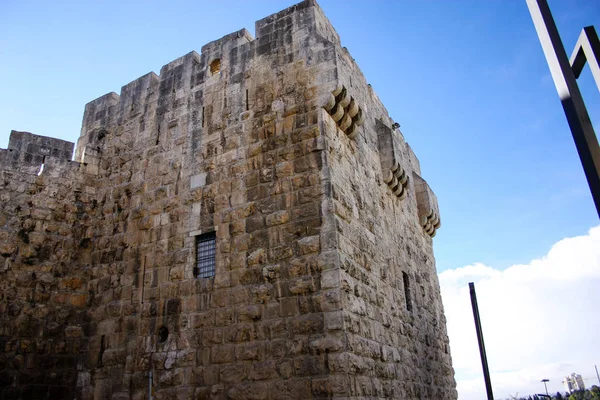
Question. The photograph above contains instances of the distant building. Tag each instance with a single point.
(573, 382)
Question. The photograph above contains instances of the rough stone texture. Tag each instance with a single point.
(44, 255)
(286, 153)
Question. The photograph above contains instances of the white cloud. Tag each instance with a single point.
(540, 320)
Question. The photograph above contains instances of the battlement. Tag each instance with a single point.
(32, 146)
(228, 42)
(232, 54)
(220, 81)
(32, 154)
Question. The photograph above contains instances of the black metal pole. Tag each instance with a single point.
(570, 96)
(587, 50)
(546, 380)
(484, 363)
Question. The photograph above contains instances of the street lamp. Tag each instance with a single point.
(546, 380)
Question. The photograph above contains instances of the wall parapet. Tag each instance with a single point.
(32, 154)
(429, 213)
(27, 143)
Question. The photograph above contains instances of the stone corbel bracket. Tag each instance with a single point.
(390, 155)
(429, 213)
(397, 179)
(345, 111)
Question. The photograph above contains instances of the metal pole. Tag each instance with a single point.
(484, 363)
(597, 376)
(546, 380)
(587, 50)
(570, 96)
(150, 385)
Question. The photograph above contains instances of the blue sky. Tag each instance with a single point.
(467, 81)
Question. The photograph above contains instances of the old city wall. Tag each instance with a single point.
(187, 152)
(385, 216)
(47, 203)
(278, 145)
(236, 152)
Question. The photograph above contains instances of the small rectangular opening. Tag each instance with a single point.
(407, 295)
(42, 166)
(215, 67)
(206, 249)
(203, 117)
(247, 105)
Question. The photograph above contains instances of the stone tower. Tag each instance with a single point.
(249, 224)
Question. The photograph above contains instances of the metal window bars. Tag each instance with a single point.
(205, 255)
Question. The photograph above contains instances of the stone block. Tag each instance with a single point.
(198, 180)
(223, 354)
(294, 388)
(233, 373)
(307, 324)
(249, 391)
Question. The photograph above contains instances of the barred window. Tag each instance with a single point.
(205, 255)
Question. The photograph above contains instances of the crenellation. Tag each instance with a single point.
(136, 96)
(98, 117)
(31, 147)
(36, 155)
(221, 46)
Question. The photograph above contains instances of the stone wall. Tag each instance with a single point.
(393, 315)
(45, 217)
(277, 145)
(235, 152)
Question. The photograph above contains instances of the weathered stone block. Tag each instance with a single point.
(233, 373)
(249, 391)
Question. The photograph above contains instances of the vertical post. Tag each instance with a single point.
(570, 96)
(587, 50)
(150, 385)
(597, 376)
(546, 380)
(484, 363)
